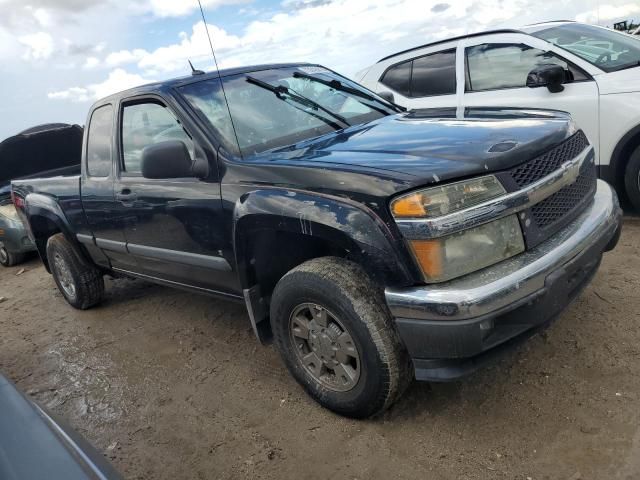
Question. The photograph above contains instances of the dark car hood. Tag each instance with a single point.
(433, 145)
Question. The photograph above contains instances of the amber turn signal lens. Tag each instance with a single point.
(430, 256)
(409, 206)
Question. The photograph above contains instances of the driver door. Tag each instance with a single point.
(175, 232)
(495, 73)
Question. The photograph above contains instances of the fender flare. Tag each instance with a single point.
(340, 221)
(39, 205)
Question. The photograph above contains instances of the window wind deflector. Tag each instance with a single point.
(281, 90)
(338, 85)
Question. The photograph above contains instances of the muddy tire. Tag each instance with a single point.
(9, 259)
(337, 338)
(632, 179)
(82, 285)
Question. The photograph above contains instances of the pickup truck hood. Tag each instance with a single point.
(433, 145)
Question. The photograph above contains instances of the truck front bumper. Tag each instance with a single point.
(451, 329)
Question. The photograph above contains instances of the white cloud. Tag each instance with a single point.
(609, 13)
(100, 47)
(42, 17)
(193, 47)
(91, 62)
(180, 8)
(39, 45)
(123, 57)
(75, 94)
(117, 81)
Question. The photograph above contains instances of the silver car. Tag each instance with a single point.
(14, 241)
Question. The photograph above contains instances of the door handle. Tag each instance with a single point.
(126, 195)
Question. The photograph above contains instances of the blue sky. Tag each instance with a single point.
(58, 56)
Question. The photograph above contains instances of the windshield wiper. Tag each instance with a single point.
(280, 90)
(338, 85)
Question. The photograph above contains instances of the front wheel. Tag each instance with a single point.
(337, 338)
(82, 285)
(632, 179)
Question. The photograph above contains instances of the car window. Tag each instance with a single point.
(398, 78)
(601, 47)
(492, 66)
(99, 142)
(145, 124)
(434, 74)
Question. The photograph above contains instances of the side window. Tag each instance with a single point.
(397, 78)
(492, 66)
(144, 124)
(427, 76)
(99, 142)
(434, 74)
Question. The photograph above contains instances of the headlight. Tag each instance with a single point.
(438, 201)
(464, 252)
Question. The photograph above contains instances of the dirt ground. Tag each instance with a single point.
(172, 385)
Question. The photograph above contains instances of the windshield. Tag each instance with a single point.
(279, 107)
(606, 49)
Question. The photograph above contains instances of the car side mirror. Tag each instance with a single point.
(388, 96)
(550, 76)
(168, 159)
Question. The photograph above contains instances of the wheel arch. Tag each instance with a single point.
(46, 219)
(620, 157)
(277, 230)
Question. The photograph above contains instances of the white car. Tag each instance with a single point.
(591, 72)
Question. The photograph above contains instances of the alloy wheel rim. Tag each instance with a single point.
(4, 255)
(64, 276)
(324, 347)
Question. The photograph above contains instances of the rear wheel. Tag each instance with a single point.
(82, 285)
(337, 338)
(9, 259)
(632, 179)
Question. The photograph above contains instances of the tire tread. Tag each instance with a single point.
(367, 301)
(90, 282)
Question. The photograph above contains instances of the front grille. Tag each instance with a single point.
(556, 207)
(556, 211)
(545, 164)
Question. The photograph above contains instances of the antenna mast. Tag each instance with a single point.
(206, 27)
(215, 60)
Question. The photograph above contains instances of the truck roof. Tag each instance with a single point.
(179, 81)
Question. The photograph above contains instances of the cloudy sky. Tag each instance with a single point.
(58, 56)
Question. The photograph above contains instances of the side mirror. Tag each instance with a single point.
(388, 96)
(550, 76)
(168, 159)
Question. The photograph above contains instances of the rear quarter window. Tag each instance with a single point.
(427, 76)
(398, 77)
(99, 142)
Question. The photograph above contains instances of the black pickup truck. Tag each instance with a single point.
(372, 245)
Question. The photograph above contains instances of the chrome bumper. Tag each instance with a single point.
(506, 285)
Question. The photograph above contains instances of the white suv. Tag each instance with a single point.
(591, 72)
